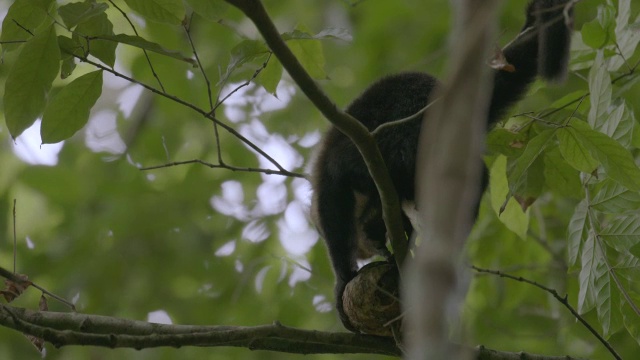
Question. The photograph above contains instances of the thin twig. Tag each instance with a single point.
(228, 167)
(188, 105)
(15, 278)
(187, 29)
(412, 117)
(563, 300)
(135, 31)
(246, 83)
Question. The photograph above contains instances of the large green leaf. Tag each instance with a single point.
(622, 233)
(560, 176)
(607, 301)
(99, 26)
(577, 232)
(615, 159)
(613, 198)
(30, 79)
(576, 153)
(310, 55)
(600, 92)
(69, 110)
(22, 14)
(165, 11)
(591, 258)
(75, 13)
(510, 214)
(518, 175)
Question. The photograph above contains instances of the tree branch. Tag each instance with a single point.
(64, 329)
(352, 128)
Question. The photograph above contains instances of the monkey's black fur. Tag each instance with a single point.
(346, 204)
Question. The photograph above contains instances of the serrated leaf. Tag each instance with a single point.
(599, 92)
(627, 37)
(615, 159)
(69, 110)
(99, 26)
(73, 14)
(630, 316)
(607, 301)
(574, 152)
(622, 233)
(29, 80)
(613, 198)
(591, 257)
(577, 232)
(164, 11)
(619, 124)
(29, 14)
(535, 148)
(560, 176)
(142, 43)
(512, 215)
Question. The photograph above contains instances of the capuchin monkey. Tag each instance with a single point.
(346, 206)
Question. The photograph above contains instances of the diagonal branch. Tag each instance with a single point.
(353, 129)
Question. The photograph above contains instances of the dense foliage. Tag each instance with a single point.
(96, 92)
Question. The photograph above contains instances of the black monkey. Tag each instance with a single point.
(346, 206)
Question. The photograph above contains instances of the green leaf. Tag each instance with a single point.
(270, 76)
(511, 215)
(577, 232)
(607, 300)
(630, 316)
(99, 26)
(164, 11)
(576, 154)
(329, 33)
(612, 198)
(560, 176)
(211, 10)
(627, 37)
(594, 35)
(591, 258)
(615, 159)
(29, 14)
(73, 14)
(506, 142)
(246, 51)
(68, 47)
(29, 80)
(69, 110)
(619, 123)
(600, 92)
(309, 53)
(141, 43)
(622, 233)
(518, 176)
